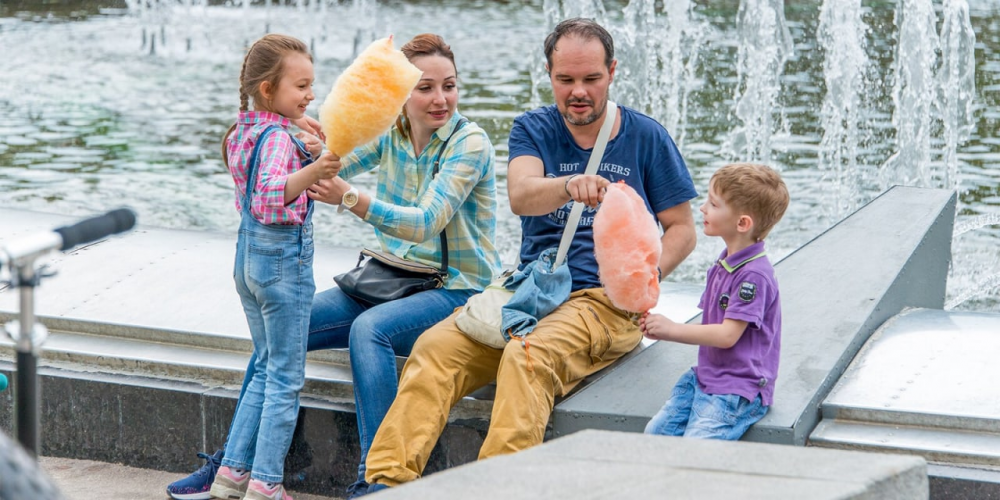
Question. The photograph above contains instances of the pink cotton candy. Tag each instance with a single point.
(627, 247)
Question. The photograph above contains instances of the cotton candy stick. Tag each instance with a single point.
(367, 97)
(627, 247)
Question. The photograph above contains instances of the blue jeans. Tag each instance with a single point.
(691, 413)
(274, 278)
(375, 337)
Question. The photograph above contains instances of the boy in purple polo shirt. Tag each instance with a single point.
(732, 386)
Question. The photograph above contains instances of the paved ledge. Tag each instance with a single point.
(148, 345)
(595, 465)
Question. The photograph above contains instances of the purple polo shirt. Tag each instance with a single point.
(742, 286)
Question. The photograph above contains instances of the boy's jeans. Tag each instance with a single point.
(691, 413)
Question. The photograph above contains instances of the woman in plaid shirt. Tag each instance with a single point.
(409, 209)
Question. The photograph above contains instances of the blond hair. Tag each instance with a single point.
(753, 189)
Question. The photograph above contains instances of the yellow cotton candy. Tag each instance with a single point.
(367, 97)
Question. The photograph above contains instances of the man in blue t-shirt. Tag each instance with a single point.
(549, 150)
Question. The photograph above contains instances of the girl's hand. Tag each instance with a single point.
(313, 144)
(327, 166)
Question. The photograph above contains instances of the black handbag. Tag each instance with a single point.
(385, 277)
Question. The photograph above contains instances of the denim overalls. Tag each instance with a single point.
(274, 278)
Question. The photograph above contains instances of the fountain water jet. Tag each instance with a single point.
(764, 45)
(846, 65)
(913, 92)
(957, 83)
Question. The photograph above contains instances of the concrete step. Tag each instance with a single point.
(959, 447)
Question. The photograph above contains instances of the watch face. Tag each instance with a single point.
(350, 198)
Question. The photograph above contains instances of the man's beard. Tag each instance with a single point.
(587, 120)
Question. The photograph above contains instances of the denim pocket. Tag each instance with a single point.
(724, 408)
(264, 265)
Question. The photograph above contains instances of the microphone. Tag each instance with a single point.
(66, 237)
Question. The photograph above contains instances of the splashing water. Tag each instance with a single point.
(976, 223)
(912, 94)
(957, 83)
(658, 60)
(764, 45)
(846, 65)
(984, 287)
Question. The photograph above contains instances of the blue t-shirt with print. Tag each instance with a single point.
(642, 154)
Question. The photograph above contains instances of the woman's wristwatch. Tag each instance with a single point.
(349, 200)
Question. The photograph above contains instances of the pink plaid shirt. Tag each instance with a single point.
(278, 158)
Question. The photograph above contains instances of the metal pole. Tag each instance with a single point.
(28, 403)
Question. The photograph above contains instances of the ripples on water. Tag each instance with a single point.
(97, 117)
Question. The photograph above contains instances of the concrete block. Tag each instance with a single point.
(602, 464)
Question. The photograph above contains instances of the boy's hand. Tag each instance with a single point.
(655, 326)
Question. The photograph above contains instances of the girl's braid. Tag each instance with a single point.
(244, 97)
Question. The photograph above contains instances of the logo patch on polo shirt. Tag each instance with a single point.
(724, 301)
(747, 291)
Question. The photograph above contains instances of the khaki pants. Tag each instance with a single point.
(580, 337)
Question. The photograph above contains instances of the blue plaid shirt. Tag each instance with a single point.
(411, 207)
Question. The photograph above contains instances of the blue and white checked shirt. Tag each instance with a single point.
(410, 208)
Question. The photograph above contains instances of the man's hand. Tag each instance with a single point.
(587, 189)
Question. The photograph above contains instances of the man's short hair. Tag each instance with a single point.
(753, 189)
(586, 29)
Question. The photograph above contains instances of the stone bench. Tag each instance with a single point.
(148, 344)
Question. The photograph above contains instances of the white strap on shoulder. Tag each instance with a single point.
(595, 159)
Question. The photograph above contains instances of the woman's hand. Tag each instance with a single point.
(312, 142)
(309, 124)
(330, 191)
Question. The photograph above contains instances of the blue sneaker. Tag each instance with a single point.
(197, 485)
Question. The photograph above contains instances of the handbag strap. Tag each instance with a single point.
(437, 162)
(595, 159)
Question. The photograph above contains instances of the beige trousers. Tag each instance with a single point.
(582, 336)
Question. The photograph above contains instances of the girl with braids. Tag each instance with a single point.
(274, 252)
